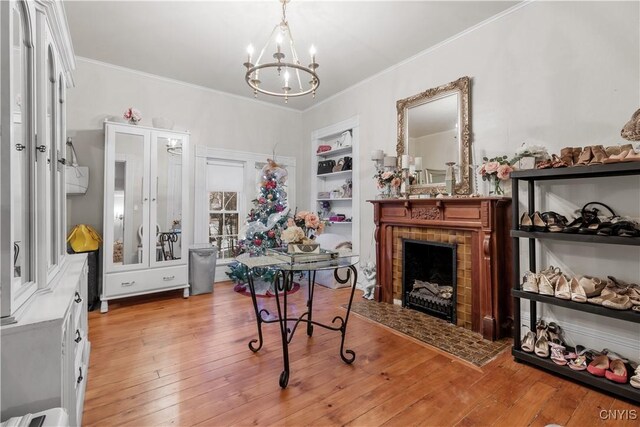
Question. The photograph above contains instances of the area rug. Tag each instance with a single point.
(457, 341)
(243, 288)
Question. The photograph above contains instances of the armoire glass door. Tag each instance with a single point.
(167, 198)
(129, 200)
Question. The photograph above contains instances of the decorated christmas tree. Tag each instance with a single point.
(266, 220)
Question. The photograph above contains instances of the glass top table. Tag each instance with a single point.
(284, 267)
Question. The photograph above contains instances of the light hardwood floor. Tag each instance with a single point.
(165, 360)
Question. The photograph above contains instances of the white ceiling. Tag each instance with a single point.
(204, 42)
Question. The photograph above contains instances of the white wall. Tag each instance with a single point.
(556, 73)
(214, 119)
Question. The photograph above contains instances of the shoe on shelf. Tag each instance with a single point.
(599, 365)
(585, 157)
(538, 223)
(557, 162)
(617, 372)
(530, 282)
(555, 332)
(617, 153)
(528, 342)
(563, 289)
(566, 155)
(525, 222)
(545, 286)
(599, 155)
(541, 329)
(579, 363)
(631, 156)
(558, 353)
(618, 302)
(592, 286)
(554, 221)
(542, 346)
(577, 292)
(635, 379)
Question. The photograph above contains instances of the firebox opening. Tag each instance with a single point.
(429, 278)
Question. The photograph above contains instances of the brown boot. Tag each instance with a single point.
(566, 155)
(613, 150)
(599, 155)
(576, 154)
(585, 157)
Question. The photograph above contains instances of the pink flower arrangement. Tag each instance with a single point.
(385, 178)
(304, 226)
(497, 167)
(132, 115)
(495, 170)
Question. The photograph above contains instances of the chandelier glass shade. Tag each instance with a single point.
(284, 76)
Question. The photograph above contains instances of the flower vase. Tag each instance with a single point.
(395, 192)
(497, 189)
(385, 191)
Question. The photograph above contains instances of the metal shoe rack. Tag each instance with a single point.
(531, 176)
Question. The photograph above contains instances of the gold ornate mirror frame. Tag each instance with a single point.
(461, 87)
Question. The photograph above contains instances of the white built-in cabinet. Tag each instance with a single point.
(340, 189)
(146, 209)
(42, 310)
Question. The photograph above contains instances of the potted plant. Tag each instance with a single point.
(495, 170)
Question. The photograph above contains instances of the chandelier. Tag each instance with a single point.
(285, 71)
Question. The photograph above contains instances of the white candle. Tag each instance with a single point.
(412, 169)
(418, 163)
(377, 155)
(249, 53)
(405, 161)
(390, 161)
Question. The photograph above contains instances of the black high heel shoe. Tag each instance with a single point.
(538, 222)
(525, 222)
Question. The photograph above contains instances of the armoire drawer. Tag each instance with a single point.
(143, 281)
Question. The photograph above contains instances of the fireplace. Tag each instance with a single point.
(479, 229)
(429, 278)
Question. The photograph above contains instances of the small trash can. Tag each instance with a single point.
(202, 268)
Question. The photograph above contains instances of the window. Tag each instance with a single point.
(225, 181)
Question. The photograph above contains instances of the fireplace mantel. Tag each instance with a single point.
(486, 219)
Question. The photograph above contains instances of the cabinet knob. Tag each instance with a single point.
(80, 378)
(153, 200)
(78, 336)
(41, 148)
(78, 298)
(145, 199)
(20, 147)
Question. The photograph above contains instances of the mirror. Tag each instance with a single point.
(434, 127)
(169, 199)
(128, 232)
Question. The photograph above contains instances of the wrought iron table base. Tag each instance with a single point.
(283, 282)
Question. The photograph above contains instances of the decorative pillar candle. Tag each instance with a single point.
(405, 161)
(418, 163)
(377, 155)
(390, 161)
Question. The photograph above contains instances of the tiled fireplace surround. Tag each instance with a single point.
(479, 227)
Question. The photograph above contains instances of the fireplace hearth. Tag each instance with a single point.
(429, 278)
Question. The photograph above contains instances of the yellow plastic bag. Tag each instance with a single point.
(84, 238)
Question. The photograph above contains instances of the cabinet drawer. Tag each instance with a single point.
(144, 281)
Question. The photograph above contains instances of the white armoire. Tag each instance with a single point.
(146, 209)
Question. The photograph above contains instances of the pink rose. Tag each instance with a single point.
(302, 215)
(504, 171)
(396, 182)
(312, 220)
(386, 175)
(491, 167)
(481, 170)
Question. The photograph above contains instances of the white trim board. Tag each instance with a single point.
(226, 154)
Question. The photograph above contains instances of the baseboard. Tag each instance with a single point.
(599, 339)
